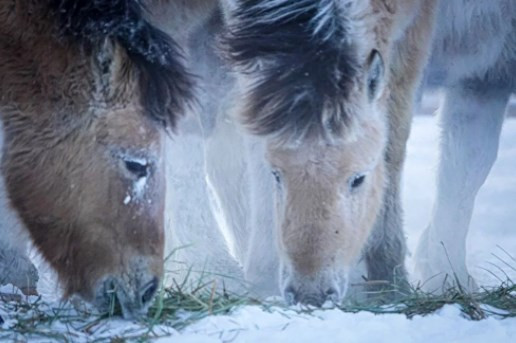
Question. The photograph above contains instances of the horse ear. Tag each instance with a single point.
(110, 66)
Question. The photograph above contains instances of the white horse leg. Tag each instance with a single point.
(242, 195)
(15, 266)
(194, 238)
(261, 264)
(471, 121)
(228, 179)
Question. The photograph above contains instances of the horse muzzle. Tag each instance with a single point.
(313, 290)
(134, 295)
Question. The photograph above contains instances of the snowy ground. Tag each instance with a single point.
(492, 225)
(254, 325)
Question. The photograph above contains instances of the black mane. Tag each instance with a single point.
(166, 86)
(302, 73)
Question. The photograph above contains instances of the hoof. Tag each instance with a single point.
(434, 274)
(20, 272)
(29, 291)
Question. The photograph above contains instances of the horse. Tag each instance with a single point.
(300, 97)
(89, 90)
(474, 60)
(330, 86)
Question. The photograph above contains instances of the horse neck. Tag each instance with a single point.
(41, 73)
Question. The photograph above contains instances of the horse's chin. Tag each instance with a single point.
(328, 287)
(112, 294)
(102, 304)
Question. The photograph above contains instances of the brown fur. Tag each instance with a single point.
(70, 112)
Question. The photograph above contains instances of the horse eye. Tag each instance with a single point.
(357, 181)
(376, 71)
(277, 176)
(138, 169)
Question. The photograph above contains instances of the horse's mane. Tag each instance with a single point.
(302, 65)
(166, 86)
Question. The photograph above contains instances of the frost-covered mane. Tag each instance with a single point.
(165, 84)
(302, 62)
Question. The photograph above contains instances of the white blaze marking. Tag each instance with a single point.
(139, 187)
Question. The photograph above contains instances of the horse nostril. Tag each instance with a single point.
(290, 295)
(149, 290)
(311, 297)
(332, 294)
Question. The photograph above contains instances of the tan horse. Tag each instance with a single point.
(330, 86)
(86, 91)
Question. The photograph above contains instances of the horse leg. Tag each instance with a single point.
(242, 189)
(261, 263)
(257, 249)
(195, 239)
(385, 253)
(471, 121)
(15, 266)
(228, 179)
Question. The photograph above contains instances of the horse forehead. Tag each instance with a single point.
(132, 123)
(305, 164)
(362, 150)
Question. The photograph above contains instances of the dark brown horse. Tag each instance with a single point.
(87, 89)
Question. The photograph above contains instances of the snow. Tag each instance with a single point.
(491, 227)
(252, 324)
(139, 186)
